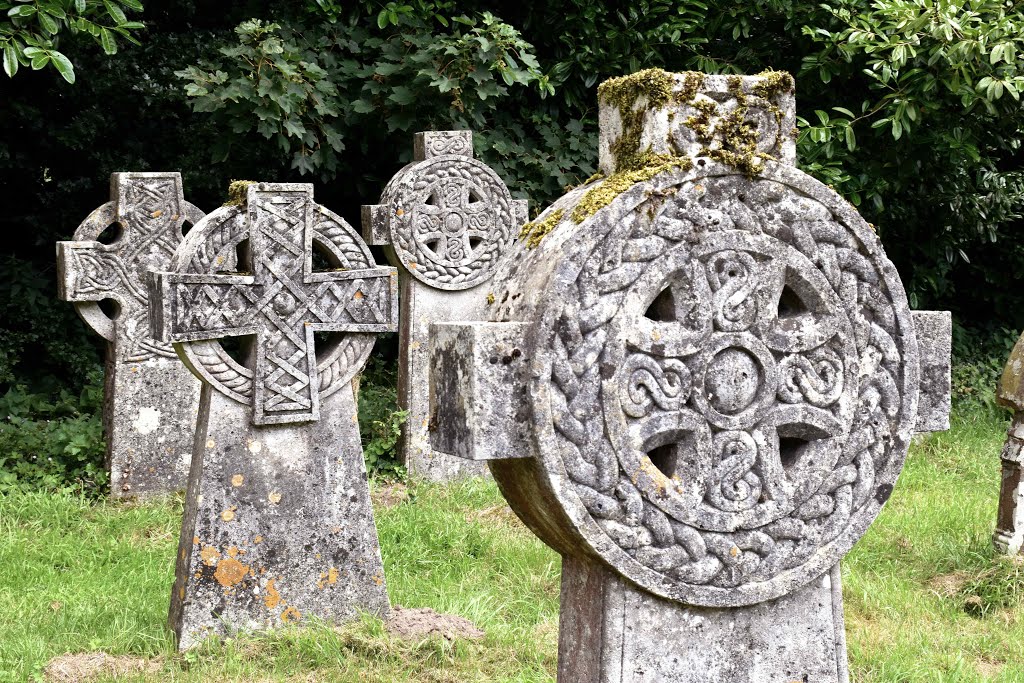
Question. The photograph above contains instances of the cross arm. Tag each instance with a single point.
(478, 391)
(192, 307)
(934, 343)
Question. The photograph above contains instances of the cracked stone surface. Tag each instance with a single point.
(150, 399)
(717, 378)
(445, 219)
(278, 524)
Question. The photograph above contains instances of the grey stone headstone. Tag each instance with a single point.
(1009, 534)
(699, 387)
(278, 524)
(150, 399)
(446, 219)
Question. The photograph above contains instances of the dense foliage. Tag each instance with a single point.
(909, 108)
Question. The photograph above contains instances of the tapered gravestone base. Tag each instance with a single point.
(611, 632)
(150, 404)
(278, 524)
(426, 305)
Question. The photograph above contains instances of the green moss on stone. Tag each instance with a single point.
(604, 194)
(536, 231)
(237, 192)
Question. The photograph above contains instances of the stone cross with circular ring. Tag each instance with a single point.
(278, 525)
(151, 400)
(445, 219)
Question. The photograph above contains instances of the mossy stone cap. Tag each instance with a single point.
(654, 113)
(1011, 386)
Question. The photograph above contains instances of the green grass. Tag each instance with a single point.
(926, 598)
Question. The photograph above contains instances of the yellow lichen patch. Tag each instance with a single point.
(604, 194)
(358, 294)
(229, 514)
(181, 593)
(237, 480)
(230, 572)
(157, 213)
(238, 192)
(490, 298)
(273, 597)
(195, 540)
(233, 551)
(291, 615)
(274, 497)
(734, 551)
(378, 579)
(258, 539)
(534, 232)
(332, 575)
(209, 555)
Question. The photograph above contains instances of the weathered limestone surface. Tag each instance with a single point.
(446, 219)
(1009, 534)
(717, 385)
(150, 398)
(278, 525)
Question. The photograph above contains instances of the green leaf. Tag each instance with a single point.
(64, 66)
(48, 23)
(79, 6)
(851, 139)
(134, 4)
(40, 60)
(115, 12)
(22, 11)
(10, 60)
(108, 42)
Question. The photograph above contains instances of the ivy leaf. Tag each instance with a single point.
(64, 66)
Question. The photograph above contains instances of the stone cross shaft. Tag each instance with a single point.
(278, 525)
(283, 302)
(445, 220)
(151, 400)
(1009, 534)
(699, 389)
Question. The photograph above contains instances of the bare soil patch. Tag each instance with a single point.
(419, 623)
(948, 585)
(88, 666)
(390, 495)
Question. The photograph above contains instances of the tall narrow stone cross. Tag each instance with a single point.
(278, 524)
(151, 400)
(1009, 534)
(446, 219)
(699, 387)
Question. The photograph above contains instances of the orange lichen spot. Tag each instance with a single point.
(734, 551)
(378, 579)
(230, 572)
(181, 593)
(229, 514)
(273, 597)
(335, 529)
(412, 265)
(195, 540)
(232, 551)
(258, 539)
(157, 213)
(332, 575)
(209, 555)
(237, 480)
(400, 212)
(291, 614)
(274, 497)
(358, 294)
(135, 369)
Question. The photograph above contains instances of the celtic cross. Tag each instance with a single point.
(283, 302)
(445, 221)
(150, 210)
(151, 400)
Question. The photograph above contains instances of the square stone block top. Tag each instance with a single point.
(446, 217)
(148, 211)
(273, 292)
(1010, 392)
(652, 114)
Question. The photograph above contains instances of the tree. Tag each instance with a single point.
(31, 32)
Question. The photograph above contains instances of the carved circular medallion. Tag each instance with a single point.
(451, 217)
(214, 246)
(725, 374)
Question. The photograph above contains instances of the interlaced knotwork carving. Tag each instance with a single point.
(450, 217)
(150, 212)
(283, 302)
(725, 389)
